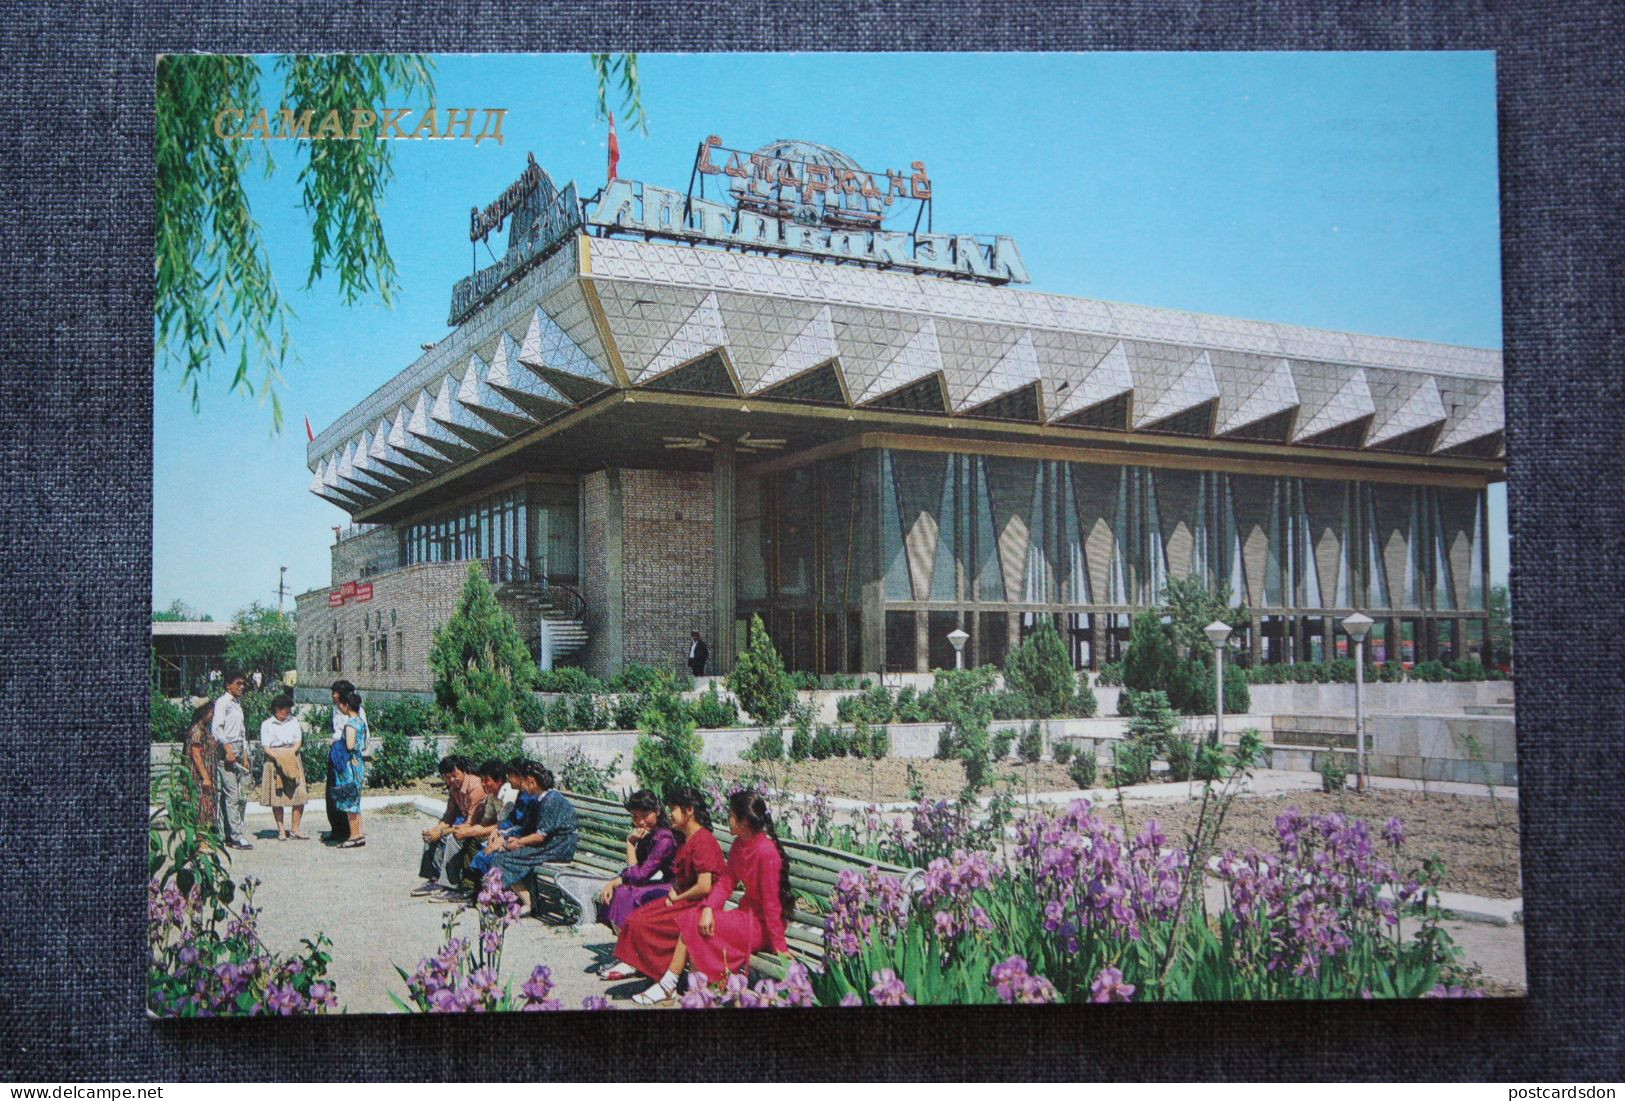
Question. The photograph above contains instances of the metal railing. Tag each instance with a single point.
(507, 569)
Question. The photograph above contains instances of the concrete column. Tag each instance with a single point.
(1329, 638)
(723, 485)
(614, 621)
(872, 606)
(1255, 640)
(922, 642)
(1097, 641)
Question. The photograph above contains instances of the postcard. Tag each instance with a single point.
(821, 530)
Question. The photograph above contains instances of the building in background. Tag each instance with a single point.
(185, 652)
(782, 392)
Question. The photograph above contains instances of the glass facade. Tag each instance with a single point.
(530, 531)
(992, 543)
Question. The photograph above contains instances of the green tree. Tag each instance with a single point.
(180, 612)
(758, 679)
(216, 294)
(480, 664)
(1190, 607)
(261, 639)
(1041, 670)
(1500, 626)
(667, 753)
(1150, 662)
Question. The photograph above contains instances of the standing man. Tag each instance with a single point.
(697, 653)
(338, 823)
(227, 728)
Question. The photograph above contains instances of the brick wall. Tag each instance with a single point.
(406, 607)
(669, 567)
(595, 579)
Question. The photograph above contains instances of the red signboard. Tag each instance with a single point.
(350, 590)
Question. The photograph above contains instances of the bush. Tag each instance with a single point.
(581, 776)
(567, 678)
(1131, 762)
(827, 743)
(1150, 663)
(413, 718)
(1125, 703)
(170, 721)
(1431, 671)
(713, 712)
(1082, 769)
(873, 705)
(1031, 747)
(638, 678)
(1084, 704)
(911, 706)
(578, 711)
(531, 713)
(803, 681)
(1003, 740)
(396, 763)
(313, 755)
(1110, 675)
(1467, 669)
(1238, 699)
(842, 681)
(801, 742)
(956, 690)
(1181, 756)
(871, 741)
(1062, 752)
(667, 754)
(1333, 773)
(768, 746)
(758, 679)
(1040, 670)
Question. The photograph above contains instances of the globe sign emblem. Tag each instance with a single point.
(776, 196)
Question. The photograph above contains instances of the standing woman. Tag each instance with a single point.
(338, 825)
(650, 934)
(282, 783)
(346, 774)
(203, 752)
(717, 941)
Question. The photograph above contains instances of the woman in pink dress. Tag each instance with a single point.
(718, 942)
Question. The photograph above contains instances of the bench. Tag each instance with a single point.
(601, 853)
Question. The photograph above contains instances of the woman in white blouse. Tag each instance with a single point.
(282, 784)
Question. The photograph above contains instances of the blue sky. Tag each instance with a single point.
(1344, 191)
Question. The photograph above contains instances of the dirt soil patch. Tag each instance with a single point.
(850, 778)
(1476, 836)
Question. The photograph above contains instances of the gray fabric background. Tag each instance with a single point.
(75, 464)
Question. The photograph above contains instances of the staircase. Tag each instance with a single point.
(562, 608)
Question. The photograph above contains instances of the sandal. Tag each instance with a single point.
(300, 836)
(657, 994)
(618, 972)
(353, 843)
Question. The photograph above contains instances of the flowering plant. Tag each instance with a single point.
(206, 959)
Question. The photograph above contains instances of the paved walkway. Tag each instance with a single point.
(359, 898)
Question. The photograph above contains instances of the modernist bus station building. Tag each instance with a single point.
(663, 412)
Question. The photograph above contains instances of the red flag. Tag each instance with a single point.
(310, 433)
(614, 147)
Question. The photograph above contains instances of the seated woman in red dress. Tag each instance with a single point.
(717, 941)
(649, 937)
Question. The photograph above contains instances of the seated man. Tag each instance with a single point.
(443, 857)
(487, 821)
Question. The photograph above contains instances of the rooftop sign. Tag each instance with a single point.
(808, 199)
(543, 217)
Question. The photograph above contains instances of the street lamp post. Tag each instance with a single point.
(958, 637)
(1218, 633)
(1358, 626)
